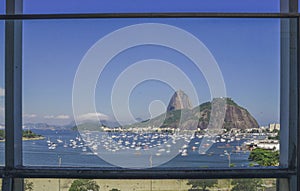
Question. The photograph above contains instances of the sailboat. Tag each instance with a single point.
(65, 145)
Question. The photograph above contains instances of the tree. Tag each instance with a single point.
(246, 184)
(265, 157)
(28, 185)
(2, 134)
(202, 184)
(84, 185)
(114, 189)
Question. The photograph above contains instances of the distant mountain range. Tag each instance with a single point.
(180, 113)
(93, 125)
(88, 123)
(42, 126)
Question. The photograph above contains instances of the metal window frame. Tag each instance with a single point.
(146, 15)
(13, 172)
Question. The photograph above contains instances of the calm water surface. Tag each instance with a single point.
(37, 153)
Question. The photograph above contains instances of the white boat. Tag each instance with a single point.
(52, 146)
(184, 153)
(65, 145)
(59, 140)
(78, 138)
(94, 147)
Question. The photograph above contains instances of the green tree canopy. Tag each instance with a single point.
(28, 185)
(25, 133)
(29, 134)
(201, 184)
(84, 185)
(246, 184)
(265, 157)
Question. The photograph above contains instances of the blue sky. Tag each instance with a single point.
(247, 52)
(79, 6)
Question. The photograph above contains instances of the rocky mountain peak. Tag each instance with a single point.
(180, 115)
(235, 116)
(179, 101)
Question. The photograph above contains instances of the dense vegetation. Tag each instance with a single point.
(2, 134)
(202, 184)
(277, 135)
(29, 134)
(265, 157)
(253, 184)
(246, 184)
(229, 101)
(25, 133)
(84, 185)
(28, 185)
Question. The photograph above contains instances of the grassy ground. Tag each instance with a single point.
(106, 185)
(135, 185)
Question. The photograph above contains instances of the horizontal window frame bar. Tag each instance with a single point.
(146, 15)
(117, 173)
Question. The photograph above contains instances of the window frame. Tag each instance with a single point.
(13, 172)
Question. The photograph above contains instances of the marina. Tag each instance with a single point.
(86, 150)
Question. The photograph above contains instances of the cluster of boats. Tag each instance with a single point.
(159, 143)
(73, 143)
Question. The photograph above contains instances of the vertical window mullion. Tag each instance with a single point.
(298, 106)
(289, 94)
(13, 94)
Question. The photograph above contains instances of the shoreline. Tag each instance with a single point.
(33, 139)
(28, 139)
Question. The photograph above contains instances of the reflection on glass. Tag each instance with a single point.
(2, 122)
(146, 185)
(200, 93)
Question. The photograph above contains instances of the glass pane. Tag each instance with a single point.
(154, 185)
(198, 93)
(2, 122)
(127, 6)
(2, 6)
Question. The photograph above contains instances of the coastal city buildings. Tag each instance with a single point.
(271, 127)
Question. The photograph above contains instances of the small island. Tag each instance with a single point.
(27, 135)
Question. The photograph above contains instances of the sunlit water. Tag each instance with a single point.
(38, 152)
